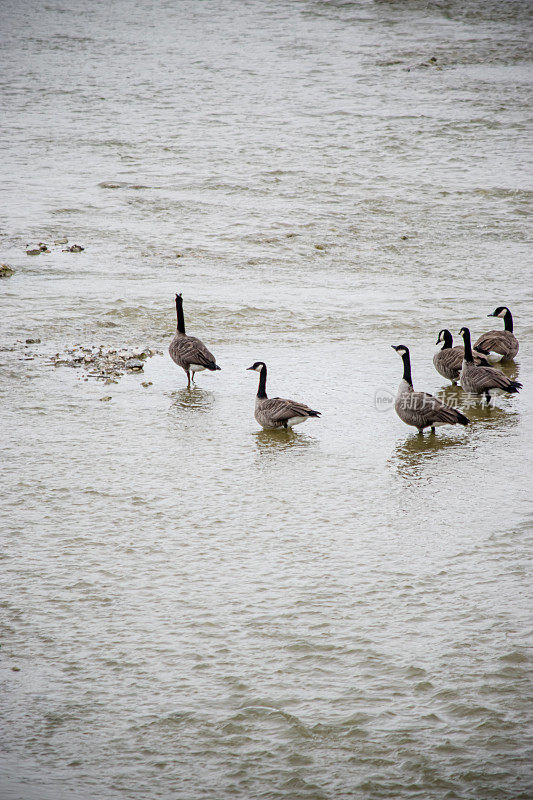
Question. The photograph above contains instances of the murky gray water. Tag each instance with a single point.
(192, 608)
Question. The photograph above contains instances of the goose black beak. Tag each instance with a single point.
(491, 315)
(395, 346)
(438, 341)
(247, 368)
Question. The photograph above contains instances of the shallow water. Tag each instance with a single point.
(197, 608)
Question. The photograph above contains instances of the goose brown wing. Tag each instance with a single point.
(436, 411)
(495, 341)
(488, 378)
(452, 357)
(279, 409)
(191, 350)
(422, 410)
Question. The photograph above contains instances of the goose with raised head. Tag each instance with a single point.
(276, 412)
(482, 380)
(449, 359)
(500, 345)
(188, 352)
(420, 409)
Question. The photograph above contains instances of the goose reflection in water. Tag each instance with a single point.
(412, 456)
(490, 416)
(510, 368)
(270, 443)
(452, 395)
(195, 399)
(474, 406)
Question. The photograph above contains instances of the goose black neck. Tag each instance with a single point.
(468, 345)
(447, 339)
(179, 312)
(407, 368)
(261, 392)
(508, 321)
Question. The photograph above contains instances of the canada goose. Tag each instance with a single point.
(486, 381)
(499, 344)
(189, 352)
(448, 360)
(277, 412)
(420, 409)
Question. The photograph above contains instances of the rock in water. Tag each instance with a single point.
(134, 364)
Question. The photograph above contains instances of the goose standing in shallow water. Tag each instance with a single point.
(500, 345)
(188, 352)
(420, 409)
(448, 360)
(275, 412)
(485, 381)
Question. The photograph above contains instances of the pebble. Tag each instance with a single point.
(105, 399)
(64, 240)
(33, 341)
(146, 384)
(106, 365)
(42, 247)
(75, 248)
(134, 364)
(6, 271)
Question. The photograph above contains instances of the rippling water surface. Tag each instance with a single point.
(191, 607)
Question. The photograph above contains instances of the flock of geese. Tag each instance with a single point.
(471, 365)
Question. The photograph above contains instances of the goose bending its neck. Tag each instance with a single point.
(448, 360)
(500, 344)
(446, 338)
(503, 311)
